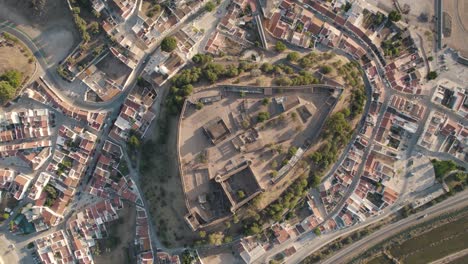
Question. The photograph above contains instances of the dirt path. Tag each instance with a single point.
(451, 257)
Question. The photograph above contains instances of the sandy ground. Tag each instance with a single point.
(14, 59)
(7, 256)
(458, 10)
(125, 231)
(54, 32)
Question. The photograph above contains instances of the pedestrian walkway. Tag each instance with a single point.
(7, 253)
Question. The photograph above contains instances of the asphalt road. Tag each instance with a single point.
(451, 204)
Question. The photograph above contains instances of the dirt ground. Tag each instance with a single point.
(54, 32)
(13, 59)
(458, 11)
(124, 229)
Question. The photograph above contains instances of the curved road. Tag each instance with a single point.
(313, 243)
(51, 76)
(454, 203)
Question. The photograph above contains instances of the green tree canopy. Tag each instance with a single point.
(7, 92)
(210, 6)
(293, 56)
(169, 44)
(432, 75)
(394, 16)
(263, 116)
(280, 47)
(216, 239)
(13, 77)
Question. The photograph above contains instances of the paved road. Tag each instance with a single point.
(454, 203)
(424, 100)
(113, 107)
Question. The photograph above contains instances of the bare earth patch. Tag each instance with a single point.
(457, 9)
(15, 59)
(54, 32)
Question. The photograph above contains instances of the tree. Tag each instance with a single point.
(241, 194)
(210, 6)
(96, 14)
(202, 59)
(263, 116)
(235, 219)
(253, 229)
(274, 164)
(133, 142)
(274, 173)
(317, 231)
(394, 16)
(169, 44)
(266, 67)
(280, 47)
(227, 239)
(13, 77)
(305, 62)
(39, 7)
(292, 151)
(202, 234)
(94, 26)
(326, 69)
(187, 257)
(293, 56)
(265, 101)
(216, 239)
(76, 10)
(283, 81)
(315, 181)
(7, 92)
(432, 75)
